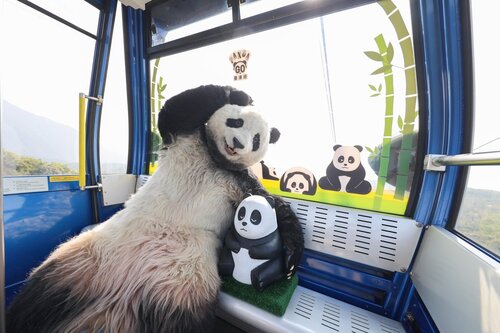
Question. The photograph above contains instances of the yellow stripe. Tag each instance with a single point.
(81, 173)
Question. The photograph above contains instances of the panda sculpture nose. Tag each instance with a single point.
(244, 223)
(237, 143)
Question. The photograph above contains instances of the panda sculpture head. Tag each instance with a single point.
(347, 158)
(255, 217)
(238, 136)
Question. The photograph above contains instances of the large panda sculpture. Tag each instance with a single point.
(152, 267)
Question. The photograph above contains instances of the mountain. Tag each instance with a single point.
(27, 134)
(30, 135)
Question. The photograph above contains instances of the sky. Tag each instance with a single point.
(286, 78)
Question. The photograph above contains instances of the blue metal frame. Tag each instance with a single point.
(444, 67)
(138, 88)
(97, 86)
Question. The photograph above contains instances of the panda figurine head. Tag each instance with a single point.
(255, 217)
(347, 158)
(238, 136)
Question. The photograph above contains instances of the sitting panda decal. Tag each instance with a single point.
(345, 172)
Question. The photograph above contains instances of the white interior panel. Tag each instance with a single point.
(116, 189)
(459, 285)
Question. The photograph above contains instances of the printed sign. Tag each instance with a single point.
(239, 59)
(25, 185)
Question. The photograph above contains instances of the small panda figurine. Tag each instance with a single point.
(253, 252)
(298, 180)
(346, 173)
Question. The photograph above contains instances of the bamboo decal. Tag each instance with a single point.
(157, 98)
(384, 55)
(406, 125)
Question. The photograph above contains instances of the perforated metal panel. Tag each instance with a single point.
(307, 312)
(379, 240)
(320, 313)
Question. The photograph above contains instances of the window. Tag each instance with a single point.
(323, 87)
(44, 70)
(479, 217)
(114, 132)
(175, 19)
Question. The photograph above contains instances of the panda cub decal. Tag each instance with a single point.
(346, 173)
(252, 251)
(298, 180)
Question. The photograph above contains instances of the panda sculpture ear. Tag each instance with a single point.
(275, 135)
(336, 147)
(270, 200)
(358, 147)
(239, 97)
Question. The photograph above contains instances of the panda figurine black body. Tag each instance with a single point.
(345, 172)
(253, 252)
(152, 267)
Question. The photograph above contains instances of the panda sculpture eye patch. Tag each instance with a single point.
(256, 142)
(234, 122)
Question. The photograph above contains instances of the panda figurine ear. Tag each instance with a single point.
(275, 135)
(270, 199)
(336, 147)
(248, 194)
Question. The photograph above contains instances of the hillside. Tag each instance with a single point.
(480, 218)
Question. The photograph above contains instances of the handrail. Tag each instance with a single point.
(439, 162)
(82, 141)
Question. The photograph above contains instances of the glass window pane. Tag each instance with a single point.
(255, 7)
(80, 13)
(479, 217)
(114, 132)
(322, 87)
(175, 19)
(41, 81)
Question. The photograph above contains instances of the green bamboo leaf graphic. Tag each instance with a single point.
(381, 70)
(372, 87)
(379, 87)
(390, 52)
(374, 55)
(375, 95)
(160, 96)
(163, 88)
(369, 149)
(400, 122)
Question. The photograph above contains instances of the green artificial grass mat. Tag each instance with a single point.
(273, 299)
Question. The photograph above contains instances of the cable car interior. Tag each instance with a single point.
(400, 92)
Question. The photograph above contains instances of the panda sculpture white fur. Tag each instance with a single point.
(252, 251)
(152, 267)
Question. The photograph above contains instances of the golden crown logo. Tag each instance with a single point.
(239, 59)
